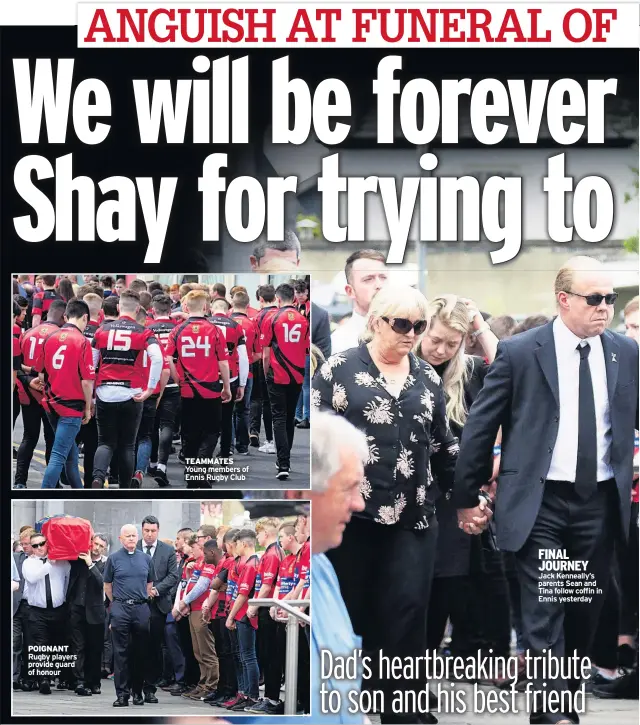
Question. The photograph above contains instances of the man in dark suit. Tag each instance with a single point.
(86, 616)
(166, 579)
(21, 618)
(320, 329)
(566, 397)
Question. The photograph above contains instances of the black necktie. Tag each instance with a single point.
(586, 465)
(47, 587)
(149, 550)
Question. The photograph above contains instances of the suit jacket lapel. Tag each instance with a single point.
(546, 356)
(611, 349)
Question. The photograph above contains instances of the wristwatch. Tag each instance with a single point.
(484, 328)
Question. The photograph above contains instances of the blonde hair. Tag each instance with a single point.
(268, 524)
(197, 299)
(394, 301)
(453, 314)
(632, 306)
(564, 278)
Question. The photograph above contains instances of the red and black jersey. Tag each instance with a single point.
(286, 575)
(251, 336)
(42, 301)
(233, 337)
(302, 566)
(122, 344)
(91, 329)
(269, 566)
(196, 346)
(246, 586)
(288, 337)
(264, 318)
(162, 327)
(304, 309)
(16, 347)
(252, 312)
(222, 573)
(30, 346)
(66, 360)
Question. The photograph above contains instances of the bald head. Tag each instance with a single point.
(581, 278)
(129, 537)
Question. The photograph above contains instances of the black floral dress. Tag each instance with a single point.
(408, 436)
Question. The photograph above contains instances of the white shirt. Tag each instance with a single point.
(153, 547)
(34, 571)
(120, 394)
(565, 453)
(347, 335)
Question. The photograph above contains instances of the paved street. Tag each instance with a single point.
(65, 702)
(261, 472)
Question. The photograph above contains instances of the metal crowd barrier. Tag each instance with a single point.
(291, 652)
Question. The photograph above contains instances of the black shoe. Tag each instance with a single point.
(164, 683)
(62, 685)
(296, 422)
(624, 687)
(150, 698)
(95, 690)
(210, 697)
(138, 699)
(28, 685)
(219, 700)
(97, 483)
(17, 685)
(178, 688)
(45, 687)
(160, 477)
(82, 690)
(104, 674)
(304, 424)
(19, 486)
(122, 701)
(241, 704)
(254, 440)
(283, 474)
(595, 680)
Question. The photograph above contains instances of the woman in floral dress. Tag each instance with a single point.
(385, 561)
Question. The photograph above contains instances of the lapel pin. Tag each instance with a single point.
(613, 357)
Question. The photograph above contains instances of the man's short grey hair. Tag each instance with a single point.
(289, 242)
(101, 536)
(332, 434)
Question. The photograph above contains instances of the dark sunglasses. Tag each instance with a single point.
(37, 546)
(403, 326)
(595, 300)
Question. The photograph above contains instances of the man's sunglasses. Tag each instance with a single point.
(403, 326)
(595, 300)
(37, 546)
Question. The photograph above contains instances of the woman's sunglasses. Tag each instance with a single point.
(37, 546)
(403, 326)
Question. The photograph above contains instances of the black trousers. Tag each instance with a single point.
(87, 642)
(629, 570)
(32, 416)
(130, 636)
(366, 564)
(118, 425)
(275, 670)
(268, 660)
(304, 680)
(20, 641)
(260, 406)
(191, 668)
(157, 622)
(88, 436)
(228, 682)
(107, 650)
(587, 531)
(284, 399)
(47, 627)
(201, 419)
(165, 424)
(226, 422)
(604, 648)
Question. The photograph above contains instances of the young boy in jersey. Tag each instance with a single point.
(42, 300)
(268, 568)
(238, 621)
(30, 392)
(66, 368)
(215, 610)
(123, 384)
(199, 360)
(260, 406)
(285, 344)
(239, 313)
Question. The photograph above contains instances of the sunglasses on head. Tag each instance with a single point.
(37, 546)
(403, 326)
(595, 300)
